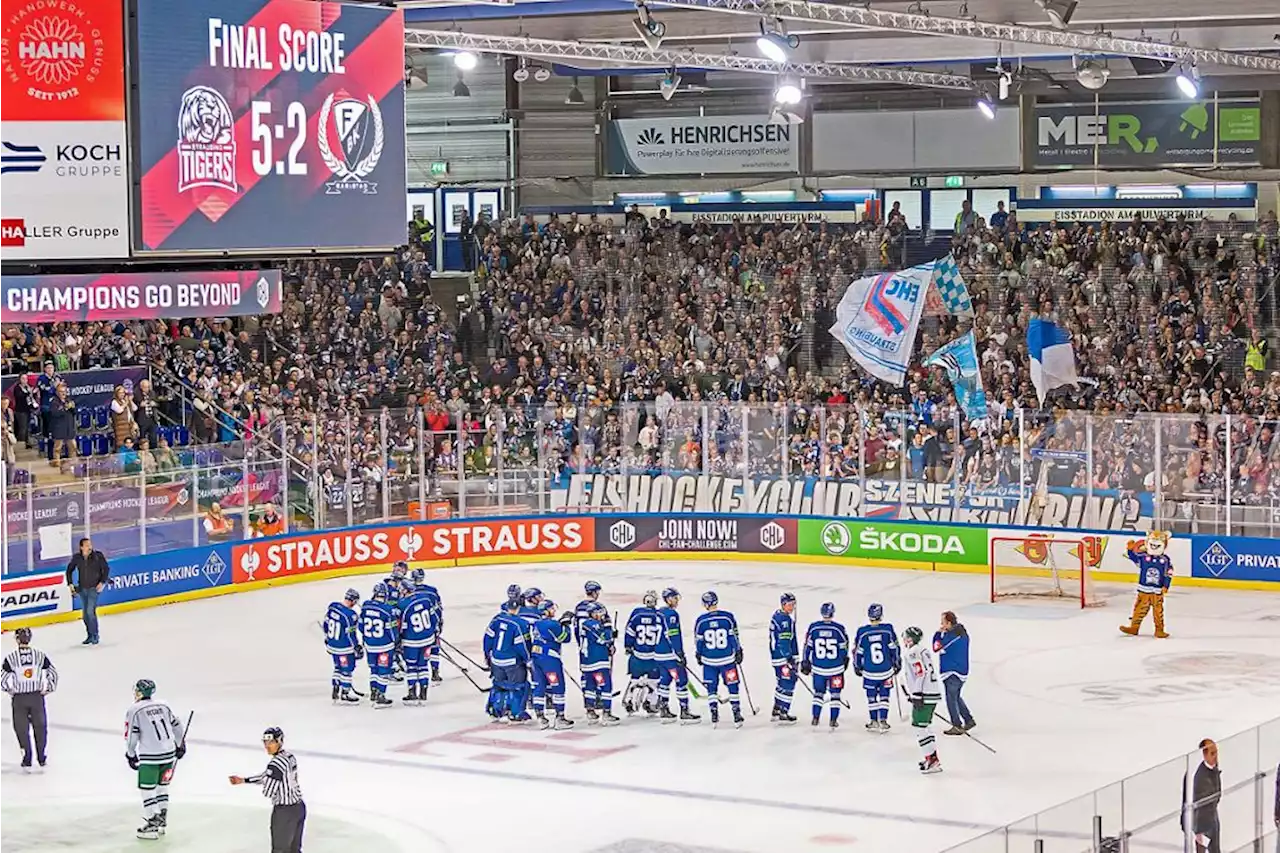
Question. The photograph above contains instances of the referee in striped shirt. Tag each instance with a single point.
(27, 675)
(280, 785)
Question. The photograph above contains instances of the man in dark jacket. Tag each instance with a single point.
(1200, 815)
(92, 573)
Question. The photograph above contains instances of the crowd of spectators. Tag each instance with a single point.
(630, 343)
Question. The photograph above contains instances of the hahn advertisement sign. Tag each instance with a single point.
(132, 296)
(701, 145)
(1148, 135)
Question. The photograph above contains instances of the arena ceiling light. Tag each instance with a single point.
(521, 74)
(781, 115)
(650, 29)
(1091, 74)
(1188, 80)
(465, 60)
(789, 90)
(669, 84)
(986, 105)
(542, 74)
(773, 43)
(1059, 12)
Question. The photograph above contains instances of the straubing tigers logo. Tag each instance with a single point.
(649, 136)
(1036, 550)
(206, 141)
(356, 127)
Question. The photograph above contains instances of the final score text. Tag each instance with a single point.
(244, 46)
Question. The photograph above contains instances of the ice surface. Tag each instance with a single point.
(1067, 701)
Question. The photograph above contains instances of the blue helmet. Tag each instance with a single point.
(591, 587)
(670, 593)
(513, 592)
(531, 593)
(351, 595)
(546, 607)
(418, 577)
(787, 598)
(511, 604)
(381, 591)
(710, 599)
(828, 610)
(400, 569)
(875, 612)
(598, 610)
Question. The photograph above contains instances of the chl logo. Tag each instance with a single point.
(206, 141)
(622, 534)
(772, 536)
(263, 292)
(1217, 559)
(356, 126)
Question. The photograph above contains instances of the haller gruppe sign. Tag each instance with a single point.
(132, 296)
(1148, 135)
(701, 145)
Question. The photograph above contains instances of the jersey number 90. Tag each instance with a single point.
(420, 621)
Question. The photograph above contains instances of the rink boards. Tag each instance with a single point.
(219, 569)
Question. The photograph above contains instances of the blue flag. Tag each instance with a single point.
(960, 358)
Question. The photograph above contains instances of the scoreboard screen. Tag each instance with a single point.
(268, 124)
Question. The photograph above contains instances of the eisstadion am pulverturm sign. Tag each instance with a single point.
(1148, 135)
(693, 145)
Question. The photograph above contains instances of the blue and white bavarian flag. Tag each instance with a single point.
(951, 287)
(960, 358)
(1053, 358)
(877, 320)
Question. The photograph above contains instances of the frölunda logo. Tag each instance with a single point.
(650, 136)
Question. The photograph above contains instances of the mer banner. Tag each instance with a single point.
(1148, 135)
(134, 296)
(701, 145)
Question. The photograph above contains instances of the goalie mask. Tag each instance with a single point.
(1157, 542)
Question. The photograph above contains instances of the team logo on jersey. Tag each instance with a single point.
(206, 141)
(835, 538)
(356, 127)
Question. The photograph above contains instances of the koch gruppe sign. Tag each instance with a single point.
(701, 145)
(132, 296)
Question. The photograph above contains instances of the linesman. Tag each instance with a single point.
(27, 675)
(280, 785)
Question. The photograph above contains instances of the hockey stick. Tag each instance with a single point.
(742, 676)
(902, 715)
(464, 671)
(939, 715)
(183, 743)
(463, 655)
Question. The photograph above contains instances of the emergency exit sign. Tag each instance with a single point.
(953, 182)
(439, 167)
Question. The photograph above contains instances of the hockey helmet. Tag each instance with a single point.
(400, 569)
(650, 598)
(512, 604)
(670, 593)
(143, 688)
(273, 734)
(381, 592)
(23, 636)
(513, 591)
(710, 599)
(875, 612)
(418, 577)
(787, 598)
(912, 636)
(352, 595)
(598, 611)
(828, 610)
(547, 608)
(532, 594)
(591, 587)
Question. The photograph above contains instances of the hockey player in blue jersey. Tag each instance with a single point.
(530, 608)
(419, 631)
(717, 649)
(342, 641)
(877, 659)
(595, 653)
(397, 589)
(672, 667)
(592, 591)
(507, 656)
(826, 657)
(379, 626)
(640, 642)
(783, 651)
(549, 634)
(418, 580)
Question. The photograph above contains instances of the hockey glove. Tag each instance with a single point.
(857, 670)
(359, 651)
(791, 662)
(133, 761)
(680, 659)
(180, 751)
(806, 668)
(737, 656)
(610, 647)
(698, 658)
(566, 618)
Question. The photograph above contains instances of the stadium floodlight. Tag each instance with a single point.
(986, 105)
(669, 84)
(465, 60)
(788, 91)
(521, 74)
(542, 74)
(650, 29)
(1058, 11)
(1092, 74)
(773, 43)
(575, 98)
(1188, 80)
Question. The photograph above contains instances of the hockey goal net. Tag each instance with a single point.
(1042, 567)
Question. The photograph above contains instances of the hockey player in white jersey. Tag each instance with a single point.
(156, 740)
(924, 691)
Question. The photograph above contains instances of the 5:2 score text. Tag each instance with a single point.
(265, 130)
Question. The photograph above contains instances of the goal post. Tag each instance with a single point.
(1041, 566)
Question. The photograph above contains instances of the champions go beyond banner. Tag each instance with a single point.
(701, 145)
(134, 296)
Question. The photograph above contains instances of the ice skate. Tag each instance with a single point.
(379, 700)
(816, 719)
(563, 722)
(873, 726)
(628, 707)
(150, 830)
(884, 727)
(162, 821)
(931, 764)
(783, 718)
(593, 717)
(835, 724)
(335, 693)
(543, 722)
(664, 714)
(715, 718)
(650, 709)
(411, 698)
(346, 697)
(608, 719)
(972, 724)
(26, 762)
(688, 718)
(435, 676)
(737, 718)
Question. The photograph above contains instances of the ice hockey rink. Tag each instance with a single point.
(1068, 703)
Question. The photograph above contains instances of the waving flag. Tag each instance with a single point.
(877, 319)
(1053, 358)
(960, 358)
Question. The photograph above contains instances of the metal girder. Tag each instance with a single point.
(626, 55)
(911, 22)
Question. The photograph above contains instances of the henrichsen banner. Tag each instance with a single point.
(696, 533)
(701, 145)
(64, 157)
(800, 496)
(1148, 135)
(132, 296)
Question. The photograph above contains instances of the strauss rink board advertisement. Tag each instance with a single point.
(889, 499)
(380, 545)
(269, 124)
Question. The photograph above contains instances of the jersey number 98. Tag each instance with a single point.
(715, 638)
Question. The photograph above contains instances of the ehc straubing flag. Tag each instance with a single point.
(877, 320)
(1053, 358)
(960, 358)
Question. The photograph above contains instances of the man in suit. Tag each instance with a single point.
(1200, 801)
